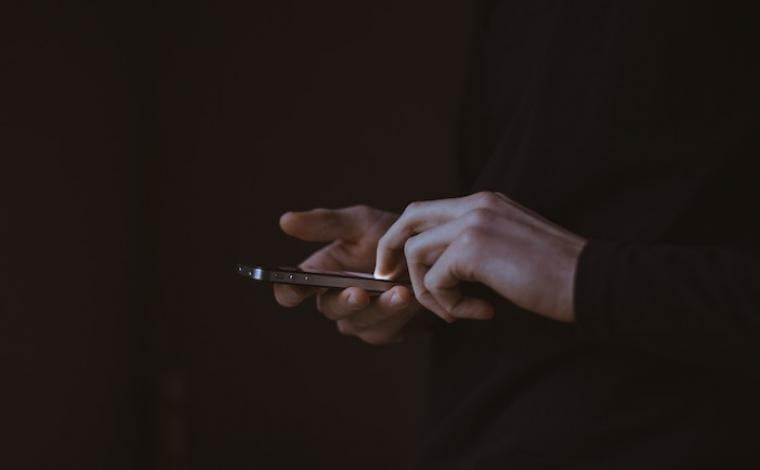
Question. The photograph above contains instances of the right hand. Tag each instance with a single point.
(353, 234)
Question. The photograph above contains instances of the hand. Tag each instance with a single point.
(485, 238)
(353, 233)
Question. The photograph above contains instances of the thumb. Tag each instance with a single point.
(324, 225)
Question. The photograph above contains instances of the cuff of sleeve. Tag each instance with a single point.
(594, 278)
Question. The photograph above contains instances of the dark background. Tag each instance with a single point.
(145, 148)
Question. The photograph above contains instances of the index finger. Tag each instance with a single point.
(418, 217)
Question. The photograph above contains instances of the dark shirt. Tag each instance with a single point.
(633, 124)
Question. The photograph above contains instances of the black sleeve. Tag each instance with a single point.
(697, 305)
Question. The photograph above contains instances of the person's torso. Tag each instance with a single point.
(620, 120)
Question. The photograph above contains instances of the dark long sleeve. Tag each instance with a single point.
(633, 124)
(698, 305)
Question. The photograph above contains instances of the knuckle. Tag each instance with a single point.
(411, 207)
(471, 236)
(429, 284)
(479, 217)
(322, 212)
(410, 248)
(327, 216)
(362, 210)
(487, 199)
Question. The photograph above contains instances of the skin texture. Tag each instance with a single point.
(485, 238)
(352, 234)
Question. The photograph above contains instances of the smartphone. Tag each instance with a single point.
(337, 280)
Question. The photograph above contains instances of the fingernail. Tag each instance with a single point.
(396, 300)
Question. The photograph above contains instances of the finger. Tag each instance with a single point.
(390, 330)
(383, 307)
(336, 304)
(472, 308)
(417, 272)
(289, 295)
(426, 247)
(419, 217)
(323, 259)
(324, 225)
(423, 251)
(443, 279)
(393, 307)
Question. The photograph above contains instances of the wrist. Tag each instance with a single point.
(565, 305)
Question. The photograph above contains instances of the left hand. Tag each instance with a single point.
(485, 238)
